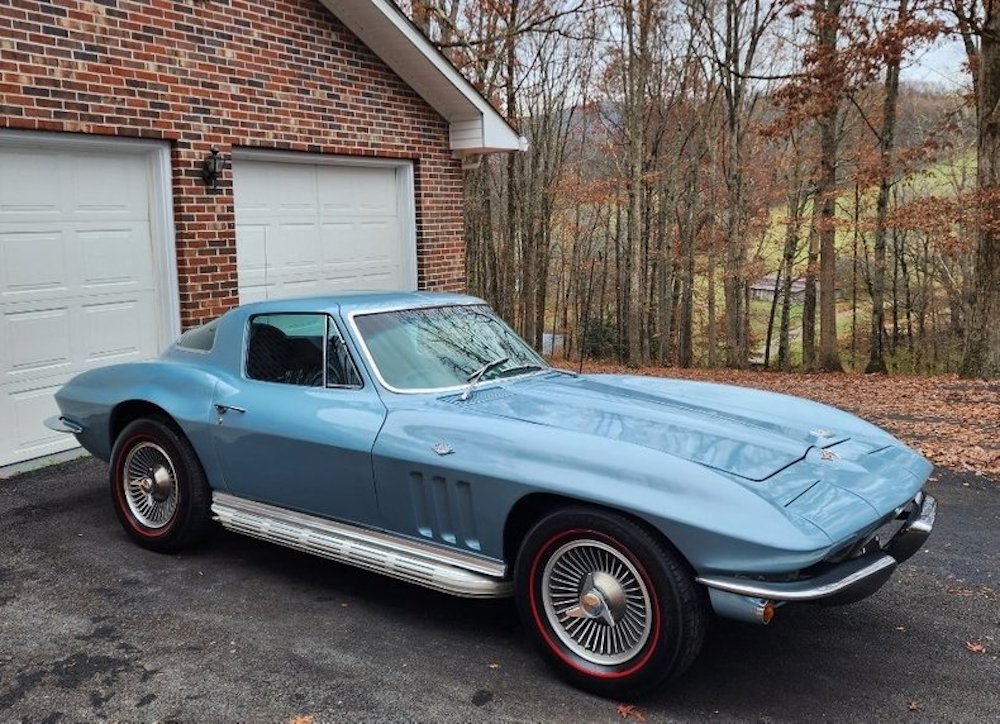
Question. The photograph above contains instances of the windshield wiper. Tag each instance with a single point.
(519, 369)
(474, 378)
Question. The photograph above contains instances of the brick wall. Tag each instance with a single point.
(281, 74)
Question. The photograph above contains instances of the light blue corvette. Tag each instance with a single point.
(416, 435)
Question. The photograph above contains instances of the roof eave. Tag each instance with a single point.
(475, 125)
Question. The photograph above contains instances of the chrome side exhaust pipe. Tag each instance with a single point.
(741, 608)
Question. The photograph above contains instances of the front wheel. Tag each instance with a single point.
(612, 608)
(158, 486)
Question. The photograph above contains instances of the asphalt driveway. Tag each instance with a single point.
(93, 627)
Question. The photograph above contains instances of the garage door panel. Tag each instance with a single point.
(114, 258)
(376, 278)
(84, 332)
(312, 228)
(115, 331)
(348, 278)
(341, 241)
(358, 190)
(282, 189)
(360, 240)
(73, 186)
(27, 191)
(127, 198)
(73, 259)
(251, 269)
(79, 286)
(366, 271)
(295, 244)
(30, 405)
(21, 273)
(376, 238)
(23, 439)
(39, 341)
(248, 295)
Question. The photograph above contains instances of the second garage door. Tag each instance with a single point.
(306, 226)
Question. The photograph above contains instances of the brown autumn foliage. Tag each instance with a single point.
(955, 423)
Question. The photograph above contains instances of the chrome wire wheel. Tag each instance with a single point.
(150, 485)
(596, 602)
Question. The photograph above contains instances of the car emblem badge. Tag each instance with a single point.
(442, 448)
(828, 455)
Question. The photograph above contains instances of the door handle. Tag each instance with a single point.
(223, 409)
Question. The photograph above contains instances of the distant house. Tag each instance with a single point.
(763, 289)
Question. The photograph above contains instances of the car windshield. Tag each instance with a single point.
(439, 347)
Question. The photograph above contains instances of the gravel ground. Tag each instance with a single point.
(93, 627)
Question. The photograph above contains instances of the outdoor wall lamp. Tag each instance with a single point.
(212, 166)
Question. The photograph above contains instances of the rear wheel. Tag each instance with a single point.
(612, 608)
(158, 486)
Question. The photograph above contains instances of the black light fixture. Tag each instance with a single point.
(212, 166)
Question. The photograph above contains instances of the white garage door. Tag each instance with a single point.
(79, 279)
(311, 227)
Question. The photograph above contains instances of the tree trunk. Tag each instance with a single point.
(876, 352)
(664, 281)
(770, 319)
(636, 34)
(713, 343)
(826, 197)
(854, 280)
(982, 349)
(509, 306)
(688, 226)
(733, 282)
(895, 293)
(809, 301)
(788, 262)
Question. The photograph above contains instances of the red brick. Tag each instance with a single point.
(294, 79)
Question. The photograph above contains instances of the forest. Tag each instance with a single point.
(737, 183)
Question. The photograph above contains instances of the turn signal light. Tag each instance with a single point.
(767, 613)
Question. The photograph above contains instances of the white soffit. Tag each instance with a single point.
(476, 127)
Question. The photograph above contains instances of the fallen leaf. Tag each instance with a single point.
(631, 711)
(915, 705)
(302, 719)
(975, 647)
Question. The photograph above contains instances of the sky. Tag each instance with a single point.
(940, 64)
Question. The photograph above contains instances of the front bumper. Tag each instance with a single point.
(841, 583)
(61, 424)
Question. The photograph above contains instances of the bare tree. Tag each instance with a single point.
(982, 351)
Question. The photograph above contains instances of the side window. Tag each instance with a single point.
(287, 348)
(299, 349)
(340, 368)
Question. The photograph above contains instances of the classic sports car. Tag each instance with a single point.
(416, 435)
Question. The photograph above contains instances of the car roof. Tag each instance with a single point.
(361, 301)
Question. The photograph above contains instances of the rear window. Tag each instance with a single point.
(199, 339)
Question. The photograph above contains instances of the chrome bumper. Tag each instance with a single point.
(845, 582)
(61, 424)
(914, 533)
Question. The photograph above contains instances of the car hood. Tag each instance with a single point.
(747, 433)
